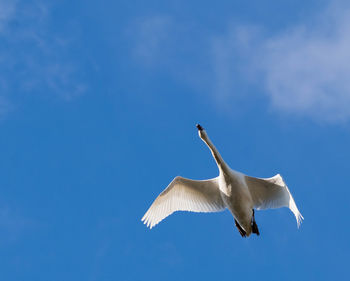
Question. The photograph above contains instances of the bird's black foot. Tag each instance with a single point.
(240, 229)
(255, 228)
(199, 127)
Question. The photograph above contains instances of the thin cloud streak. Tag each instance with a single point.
(7, 9)
(307, 71)
(300, 71)
(151, 38)
(46, 66)
(304, 70)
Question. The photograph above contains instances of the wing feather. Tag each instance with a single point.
(271, 193)
(185, 195)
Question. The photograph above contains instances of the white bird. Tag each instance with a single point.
(231, 189)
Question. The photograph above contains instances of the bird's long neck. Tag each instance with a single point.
(218, 159)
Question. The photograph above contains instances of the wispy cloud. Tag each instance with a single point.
(152, 38)
(230, 53)
(304, 70)
(7, 9)
(301, 70)
(34, 58)
(162, 43)
(307, 71)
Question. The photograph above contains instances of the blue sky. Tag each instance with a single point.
(98, 106)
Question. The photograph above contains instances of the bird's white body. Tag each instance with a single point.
(236, 197)
(231, 189)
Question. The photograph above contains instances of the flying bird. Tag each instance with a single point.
(231, 189)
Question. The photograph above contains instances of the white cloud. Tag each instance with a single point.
(304, 69)
(7, 9)
(230, 54)
(152, 37)
(33, 58)
(307, 70)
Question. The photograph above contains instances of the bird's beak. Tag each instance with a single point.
(199, 127)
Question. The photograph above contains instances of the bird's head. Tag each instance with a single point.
(199, 127)
(201, 132)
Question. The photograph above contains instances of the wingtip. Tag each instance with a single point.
(145, 220)
(300, 219)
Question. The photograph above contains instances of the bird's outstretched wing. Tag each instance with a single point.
(272, 193)
(185, 195)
